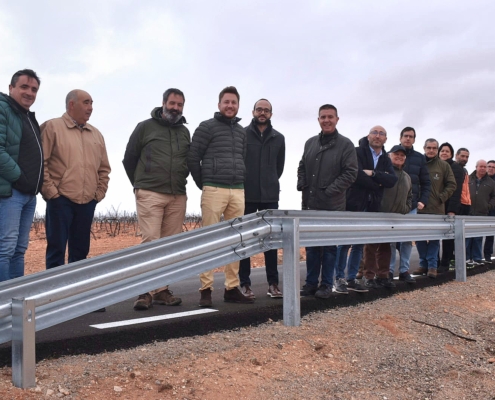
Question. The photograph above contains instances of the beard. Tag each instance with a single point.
(171, 115)
(258, 122)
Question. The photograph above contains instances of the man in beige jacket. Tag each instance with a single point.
(76, 170)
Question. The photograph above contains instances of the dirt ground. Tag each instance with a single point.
(434, 343)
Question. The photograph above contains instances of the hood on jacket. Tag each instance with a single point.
(156, 114)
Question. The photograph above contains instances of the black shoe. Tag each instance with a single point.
(384, 282)
(488, 259)
(356, 286)
(390, 276)
(323, 292)
(370, 284)
(308, 290)
(406, 277)
(441, 269)
(235, 296)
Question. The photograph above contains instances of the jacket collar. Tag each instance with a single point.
(219, 117)
(268, 131)
(69, 122)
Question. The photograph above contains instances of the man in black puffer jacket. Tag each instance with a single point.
(415, 167)
(216, 161)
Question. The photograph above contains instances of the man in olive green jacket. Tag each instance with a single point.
(155, 161)
(443, 185)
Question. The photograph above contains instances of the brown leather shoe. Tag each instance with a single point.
(246, 291)
(143, 302)
(432, 273)
(420, 271)
(235, 296)
(167, 298)
(274, 291)
(205, 300)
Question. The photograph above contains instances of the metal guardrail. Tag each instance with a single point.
(38, 301)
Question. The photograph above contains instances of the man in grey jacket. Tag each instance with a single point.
(216, 162)
(327, 169)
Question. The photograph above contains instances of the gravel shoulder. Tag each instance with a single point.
(433, 343)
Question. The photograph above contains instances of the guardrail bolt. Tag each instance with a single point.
(255, 233)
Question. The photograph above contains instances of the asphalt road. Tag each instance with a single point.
(92, 334)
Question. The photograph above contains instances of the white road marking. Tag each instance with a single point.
(150, 319)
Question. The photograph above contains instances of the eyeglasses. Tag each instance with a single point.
(263, 110)
(380, 133)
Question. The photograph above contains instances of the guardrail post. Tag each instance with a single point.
(460, 250)
(292, 303)
(23, 343)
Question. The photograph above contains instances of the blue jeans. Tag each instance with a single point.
(473, 248)
(67, 222)
(405, 250)
(428, 253)
(16, 217)
(320, 260)
(352, 263)
(270, 255)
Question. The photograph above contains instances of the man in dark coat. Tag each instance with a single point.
(375, 172)
(488, 247)
(482, 191)
(415, 167)
(264, 161)
(327, 168)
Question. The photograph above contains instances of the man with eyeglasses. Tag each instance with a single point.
(443, 185)
(488, 247)
(415, 167)
(264, 162)
(375, 173)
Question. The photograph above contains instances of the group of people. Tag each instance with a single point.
(238, 171)
(65, 159)
(335, 176)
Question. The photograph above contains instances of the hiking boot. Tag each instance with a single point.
(274, 292)
(246, 291)
(341, 286)
(143, 302)
(308, 290)
(384, 282)
(205, 300)
(370, 284)
(432, 273)
(356, 286)
(235, 296)
(323, 292)
(166, 297)
(406, 277)
(420, 271)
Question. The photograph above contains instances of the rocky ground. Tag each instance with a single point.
(433, 343)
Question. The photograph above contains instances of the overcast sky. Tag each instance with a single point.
(426, 64)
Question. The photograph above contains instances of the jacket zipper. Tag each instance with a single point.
(41, 151)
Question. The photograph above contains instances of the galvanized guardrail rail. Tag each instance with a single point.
(35, 302)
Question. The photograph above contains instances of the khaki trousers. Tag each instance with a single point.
(215, 202)
(159, 215)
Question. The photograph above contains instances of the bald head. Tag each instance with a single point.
(377, 137)
(79, 106)
(480, 169)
